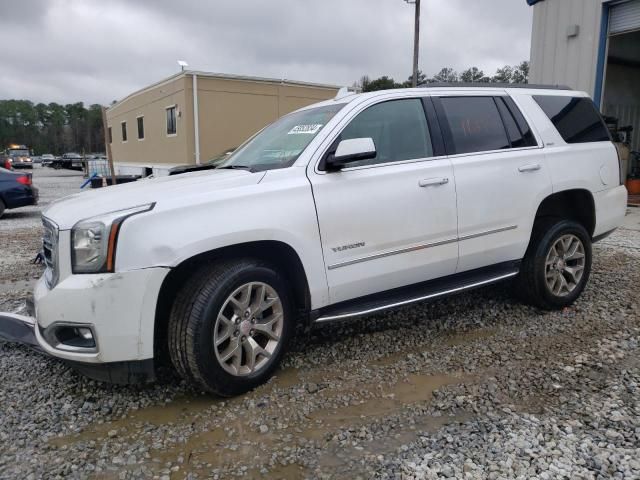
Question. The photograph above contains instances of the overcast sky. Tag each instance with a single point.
(96, 51)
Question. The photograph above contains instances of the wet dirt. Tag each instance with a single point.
(224, 440)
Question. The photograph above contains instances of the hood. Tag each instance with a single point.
(67, 211)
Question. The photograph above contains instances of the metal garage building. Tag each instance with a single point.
(591, 45)
(192, 117)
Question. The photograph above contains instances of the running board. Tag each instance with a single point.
(420, 292)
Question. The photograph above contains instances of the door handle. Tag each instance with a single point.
(433, 182)
(530, 168)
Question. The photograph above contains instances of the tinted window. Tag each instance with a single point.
(398, 129)
(171, 121)
(140, 128)
(124, 131)
(576, 119)
(110, 135)
(475, 124)
(520, 134)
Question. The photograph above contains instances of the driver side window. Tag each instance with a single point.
(398, 128)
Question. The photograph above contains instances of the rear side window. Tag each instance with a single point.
(475, 124)
(575, 118)
(518, 129)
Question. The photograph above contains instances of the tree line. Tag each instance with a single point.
(507, 74)
(54, 128)
(51, 128)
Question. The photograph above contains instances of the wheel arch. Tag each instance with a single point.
(281, 255)
(575, 204)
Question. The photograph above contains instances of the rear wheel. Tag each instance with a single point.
(230, 325)
(557, 264)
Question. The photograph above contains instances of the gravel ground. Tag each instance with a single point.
(477, 386)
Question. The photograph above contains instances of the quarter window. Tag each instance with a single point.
(398, 129)
(171, 121)
(475, 124)
(140, 128)
(124, 131)
(575, 118)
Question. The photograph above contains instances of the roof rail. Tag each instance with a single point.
(493, 85)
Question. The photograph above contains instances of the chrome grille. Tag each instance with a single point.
(50, 252)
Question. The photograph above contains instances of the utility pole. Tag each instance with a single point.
(416, 41)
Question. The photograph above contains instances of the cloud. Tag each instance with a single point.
(97, 51)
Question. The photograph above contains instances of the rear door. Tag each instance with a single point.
(390, 221)
(501, 176)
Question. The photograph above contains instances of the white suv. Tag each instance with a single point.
(338, 210)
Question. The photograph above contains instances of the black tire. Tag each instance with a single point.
(2, 208)
(192, 322)
(532, 285)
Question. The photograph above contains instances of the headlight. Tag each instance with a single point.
(94, 240)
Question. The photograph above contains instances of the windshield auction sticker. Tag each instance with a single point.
(305, 129)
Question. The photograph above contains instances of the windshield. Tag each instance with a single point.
(280, 144)
(18, 152)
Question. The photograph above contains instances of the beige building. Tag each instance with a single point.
(594, 46)
(192, 117)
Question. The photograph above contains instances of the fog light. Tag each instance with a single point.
(85, 333)
(71, 337)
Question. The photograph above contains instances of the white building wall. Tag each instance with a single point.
(557, 58)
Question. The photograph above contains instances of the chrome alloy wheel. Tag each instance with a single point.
(248, 329)
(564, 265)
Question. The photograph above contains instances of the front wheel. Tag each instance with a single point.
(557, 264)
(230, 325)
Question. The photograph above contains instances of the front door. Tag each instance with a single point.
(390, 221)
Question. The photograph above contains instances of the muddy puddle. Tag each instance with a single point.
(224, 439)
(463, 338)
(452, 339)
(416, 388)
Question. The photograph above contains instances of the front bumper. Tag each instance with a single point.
(22, 329)
(119, 308)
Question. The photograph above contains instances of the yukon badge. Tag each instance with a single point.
(348, 247)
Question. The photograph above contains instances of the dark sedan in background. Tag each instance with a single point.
(16, 190)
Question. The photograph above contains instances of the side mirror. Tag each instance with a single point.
(349, 151)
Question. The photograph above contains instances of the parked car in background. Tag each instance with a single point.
(213, 163)
(16, 190)
(47, 159)
(348, 207)
(72, 161)
(18, 156)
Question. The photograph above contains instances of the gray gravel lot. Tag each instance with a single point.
(478, 386)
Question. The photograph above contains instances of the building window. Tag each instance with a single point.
(171, 120)
(110, 135)
(124, 131)
(140, 128)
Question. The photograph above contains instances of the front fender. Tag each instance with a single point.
(281, 211)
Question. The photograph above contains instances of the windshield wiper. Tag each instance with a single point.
(236, 167)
